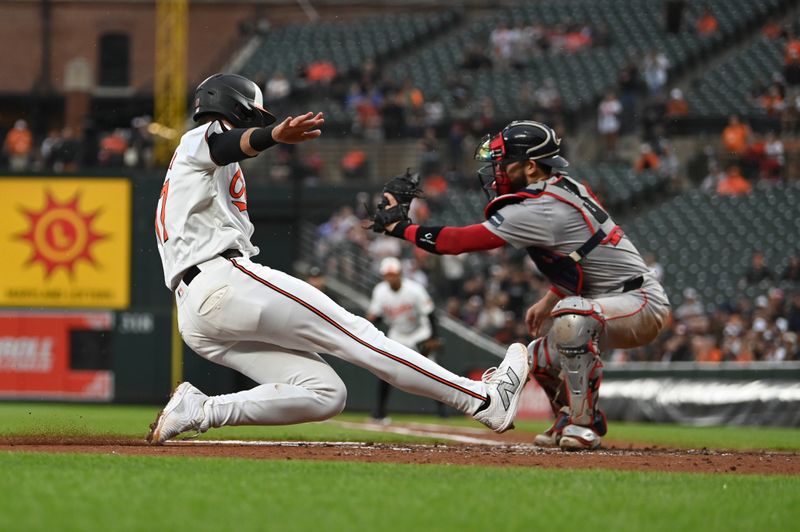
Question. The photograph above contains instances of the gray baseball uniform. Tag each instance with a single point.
(554, 218)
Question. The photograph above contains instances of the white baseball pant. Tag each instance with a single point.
(270, 326)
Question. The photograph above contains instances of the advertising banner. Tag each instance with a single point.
(65, 243)
(56, 356)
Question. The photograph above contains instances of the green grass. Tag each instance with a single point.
(107, 492)
(133, 421)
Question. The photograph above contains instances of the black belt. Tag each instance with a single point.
(194, 271)
(633, 284)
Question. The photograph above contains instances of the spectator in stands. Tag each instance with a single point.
(630, 85)
(735, 138)
(501, 40)
(654, 69)
(608, 123)
(354, 164)
(792, 271)
(140, 141)
(48, 148)
(757, 271)
(547, 100)
(475, 57)
(707, 24)
(67, 152)
(112, 149)
(647, 160)
(277, 88)
(678, 347)
(772, 30)
(18, 146)
(676, 105)
(791, 60)
(715, 175)
(393, 115)
(733, 183)
(692, 313)
(320, 72)
(772, 101)
(772, 167)
(413, 101)
(492, 317)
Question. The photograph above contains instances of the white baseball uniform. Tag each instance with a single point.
(262, 322)
(404, 311)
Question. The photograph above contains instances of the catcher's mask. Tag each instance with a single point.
(519, 141)
(233, 97)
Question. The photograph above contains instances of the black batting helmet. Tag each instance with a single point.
(519, 141)
(233, 97)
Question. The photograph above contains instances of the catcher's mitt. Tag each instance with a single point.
(404, 188)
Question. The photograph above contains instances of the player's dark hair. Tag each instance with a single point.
(545, 168)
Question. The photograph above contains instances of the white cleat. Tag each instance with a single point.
(183, 412)
(504, 386)
(578, 438)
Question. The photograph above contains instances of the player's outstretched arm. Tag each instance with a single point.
(238, 144)
(442, 240)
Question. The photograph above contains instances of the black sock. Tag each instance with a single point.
(485, 405)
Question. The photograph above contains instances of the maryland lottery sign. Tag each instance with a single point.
(65, 243)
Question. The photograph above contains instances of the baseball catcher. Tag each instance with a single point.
(603, 296)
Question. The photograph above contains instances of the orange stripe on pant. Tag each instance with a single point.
(352, 336)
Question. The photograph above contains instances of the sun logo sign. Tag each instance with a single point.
(61, 234)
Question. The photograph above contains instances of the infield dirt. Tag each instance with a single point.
(498, 450)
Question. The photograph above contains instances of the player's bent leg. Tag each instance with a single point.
(547, 372)
(294, 387)
(297, 316)
(578, 325)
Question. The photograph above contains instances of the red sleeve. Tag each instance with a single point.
(456, 240)
(556, 291)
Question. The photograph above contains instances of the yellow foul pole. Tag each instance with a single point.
(172, 22)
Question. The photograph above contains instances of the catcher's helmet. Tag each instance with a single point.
(518, 141)
(234, 97)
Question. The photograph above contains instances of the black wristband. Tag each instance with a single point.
(426, 238)
(399, 230)
(261, 139)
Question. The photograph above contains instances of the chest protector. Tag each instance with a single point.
(565, 271)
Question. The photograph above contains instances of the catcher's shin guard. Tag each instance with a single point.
(546, 368)
(577, 327)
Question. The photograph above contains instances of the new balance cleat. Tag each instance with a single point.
(183, 412)
(504, 386)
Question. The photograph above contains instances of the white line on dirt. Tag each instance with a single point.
(421, 433)
(266, 443)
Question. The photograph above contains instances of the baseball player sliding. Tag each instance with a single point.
(602, 294)
(262, 322)
(407, 309)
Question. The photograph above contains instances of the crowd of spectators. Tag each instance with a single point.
(764, 328)
(513, 45)
(64, 149)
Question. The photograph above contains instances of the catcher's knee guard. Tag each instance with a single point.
(577, 327)
(546, 369)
